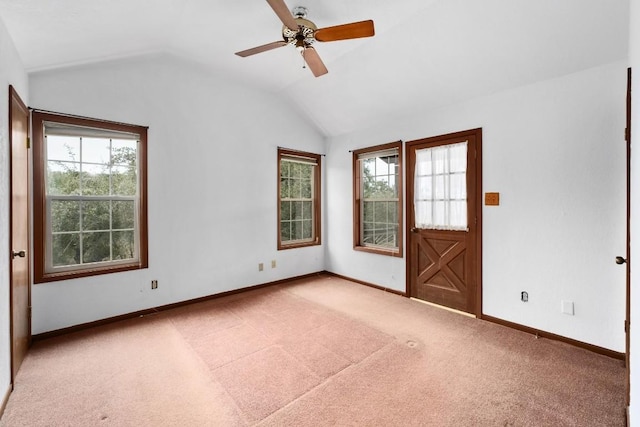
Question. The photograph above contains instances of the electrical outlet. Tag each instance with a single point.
(524, 296)
(273, 263)
(260, 267)
(567, 308)
(154, 284)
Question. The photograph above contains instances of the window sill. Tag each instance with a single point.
(87, 272)
(298, 245)
(397, 253)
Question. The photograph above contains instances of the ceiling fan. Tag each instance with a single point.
(302, 33)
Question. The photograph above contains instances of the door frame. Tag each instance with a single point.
(15, 97)
(477, 134)
(627, 323)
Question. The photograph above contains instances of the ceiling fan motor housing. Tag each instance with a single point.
(305, 33)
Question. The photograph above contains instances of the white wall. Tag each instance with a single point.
(11, 73)
(556, 153)
(212, 184)
(634, 63)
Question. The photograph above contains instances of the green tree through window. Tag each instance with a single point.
(299, 206)
(94, 211)
(378, 199)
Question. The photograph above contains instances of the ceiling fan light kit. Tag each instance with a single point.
(302, 33)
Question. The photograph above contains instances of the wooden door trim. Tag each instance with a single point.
(14, 97)
(627, 328)
(471, 133)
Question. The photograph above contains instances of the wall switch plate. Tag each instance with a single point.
(154, 284)
(567, 307)
(273, 263)
(260, 267)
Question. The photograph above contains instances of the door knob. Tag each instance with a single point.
(20, 254)
(415, 230)
(620, 260)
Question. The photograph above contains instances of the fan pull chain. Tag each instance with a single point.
(304, 63)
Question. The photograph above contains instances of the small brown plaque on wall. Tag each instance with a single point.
(491, 199)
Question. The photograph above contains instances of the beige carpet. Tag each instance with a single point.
(316, 352)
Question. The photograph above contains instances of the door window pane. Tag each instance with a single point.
(441, 187)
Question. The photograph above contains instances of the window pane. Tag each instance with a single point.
(439, 215)
(63, 148)
(124, 181)
(285, 231)
(285, 188)
(96, 247)
(285, 210)
(65, 249)
(296, 230)
(284, 168)
(393, 212)
(307, 230)
(296, 210)
(306, 188)
(296, 189)
(307, 209)
(424, 188)
(123, 215)
(63, 178)
(440, 191)
(124, 153)
(65, 215)
(380, 212)
(367, 237)
(123, 245)
(306, 171)
(96, 150)
(96, 215)
(95, 180)
(368, 211)
(458, 186)
(294, 170)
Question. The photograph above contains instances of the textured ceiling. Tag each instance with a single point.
(425, 54)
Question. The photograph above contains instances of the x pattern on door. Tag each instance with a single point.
(441, 269)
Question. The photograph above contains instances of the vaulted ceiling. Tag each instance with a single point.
(426, 53)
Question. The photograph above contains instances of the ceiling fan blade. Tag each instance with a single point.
(281, 9)
(314, 62)
(259, 49)
(347, 31)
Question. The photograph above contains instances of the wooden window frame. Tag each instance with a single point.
(284, 153)
(39, 194)
(357, 201)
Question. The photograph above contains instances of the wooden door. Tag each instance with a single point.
(444, 256)
(19, 240)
